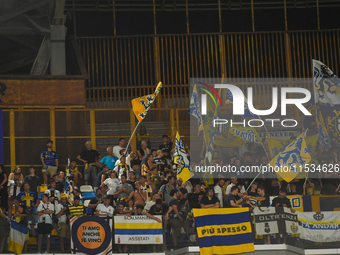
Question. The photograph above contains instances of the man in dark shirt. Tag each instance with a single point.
(95, 201)
(91, 159)
(283, 201)
(175, 217)
(33, 181)
(158, 209)
(98, 181)
(166, 146)
(192, 198)
(231, 198)
(160, 161)
(210, 200)
(262, 199)
(253, 190)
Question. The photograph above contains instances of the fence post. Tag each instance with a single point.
(172, 122)
(12, 138)
(132, 127)
(93, 128)
(52, 127)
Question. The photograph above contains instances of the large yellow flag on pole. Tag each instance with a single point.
(181, 159)
(142, 104)
(290, 162)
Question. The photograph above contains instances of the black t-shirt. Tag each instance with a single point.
(264, 203)
(33, 181)
(89, 155)
(166, 148)
(132, 184)
(161, 163)
(209, 201)
(193, 200)
(161, 211)
(281, 201)
(252, 194)
(229, 198)
(172, 202)
(93, 201)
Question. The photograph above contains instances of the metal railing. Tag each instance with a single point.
(124, 67)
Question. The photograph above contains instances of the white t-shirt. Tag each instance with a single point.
(55, 194)
(63, 217)
(149, 204)
(112, 185)
(48, 217)
(116, 151)
(12, 184)
(103, 209)
(218, 191)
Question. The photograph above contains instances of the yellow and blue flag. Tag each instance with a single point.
(17, 237)
(248, 134)
(290, 162)
(331, 115)
(181, 160)
(138, 229)
(195, 109)
(324, 139)
(142, 104)
(278, 145)
(224, 230)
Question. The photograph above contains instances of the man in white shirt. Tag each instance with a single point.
(61, 213)
(44, 211)
(233, 181)
(53, 194)
(218, 190)
(105, 209)
(120, 146)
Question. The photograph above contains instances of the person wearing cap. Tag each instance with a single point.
(49, 159)
(210, 200)
(91, 159)
(76, 192)
(283, 201)
(105, 209)
(64, 227)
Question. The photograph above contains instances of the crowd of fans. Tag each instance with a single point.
(143, 181)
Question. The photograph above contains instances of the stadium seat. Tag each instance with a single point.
(88, 195)
(86, 188)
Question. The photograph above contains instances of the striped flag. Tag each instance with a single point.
(68, 184)
(17, 236)
(138, 229)
(142, 104)
(195, 109)
(224, 230)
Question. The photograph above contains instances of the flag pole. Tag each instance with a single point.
(131, 138)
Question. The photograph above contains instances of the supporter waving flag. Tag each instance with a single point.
(181, 159)
(142, 104)
(68, 184)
